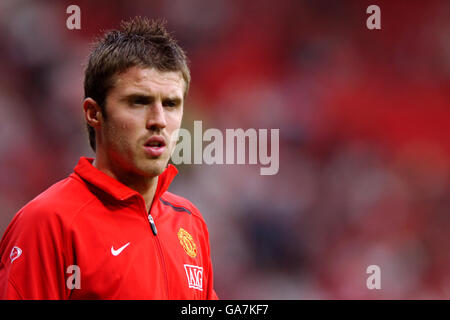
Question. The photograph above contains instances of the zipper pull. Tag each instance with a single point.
(152, 224)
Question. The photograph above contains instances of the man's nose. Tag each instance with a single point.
(156, 118)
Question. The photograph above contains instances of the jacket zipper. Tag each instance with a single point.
(158, 244)
(160, 251)
(152, 224)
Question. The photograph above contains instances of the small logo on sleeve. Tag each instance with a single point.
(194, 276)
(15, 253)
(187, 242)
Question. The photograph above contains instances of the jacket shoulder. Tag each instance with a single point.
(180, 204)
(62, 200)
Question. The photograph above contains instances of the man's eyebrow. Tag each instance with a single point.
(142, 97)
(149, 98)
(137, 95)
(175, 99)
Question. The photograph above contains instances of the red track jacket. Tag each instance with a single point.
(90, 237)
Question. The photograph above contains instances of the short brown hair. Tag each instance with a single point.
(140, 42)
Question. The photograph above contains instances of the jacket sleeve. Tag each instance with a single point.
(32, 263)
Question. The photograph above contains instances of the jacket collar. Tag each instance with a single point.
(118, 190)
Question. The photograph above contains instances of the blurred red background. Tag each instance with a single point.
(364, 134)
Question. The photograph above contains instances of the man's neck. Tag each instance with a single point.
(144, 185)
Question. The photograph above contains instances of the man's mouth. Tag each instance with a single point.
(155, 146)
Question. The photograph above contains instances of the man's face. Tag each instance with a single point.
(143, 110)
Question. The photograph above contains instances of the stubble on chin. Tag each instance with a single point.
(151, 168)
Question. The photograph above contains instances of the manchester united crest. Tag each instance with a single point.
(187, 242)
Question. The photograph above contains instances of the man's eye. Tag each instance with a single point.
(139, 101)
(170, 103)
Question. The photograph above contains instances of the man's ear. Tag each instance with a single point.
(92, 113)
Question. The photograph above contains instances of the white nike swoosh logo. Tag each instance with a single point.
(118, 251)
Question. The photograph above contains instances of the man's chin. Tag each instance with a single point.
(154, 169)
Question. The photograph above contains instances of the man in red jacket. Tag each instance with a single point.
(111, 230)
